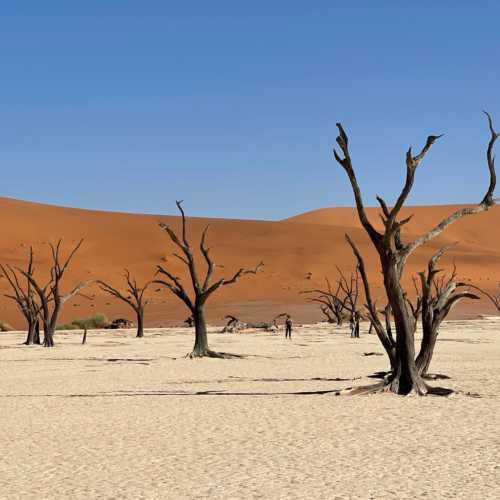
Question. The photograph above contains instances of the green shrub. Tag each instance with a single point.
(4, 326)
(67, 326)
(95, 321)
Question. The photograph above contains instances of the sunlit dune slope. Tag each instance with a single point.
(310, 244)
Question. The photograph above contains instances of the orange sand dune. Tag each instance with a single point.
(291, 249)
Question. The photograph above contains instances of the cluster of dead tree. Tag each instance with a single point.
(41, 301)
(407, 370)
(340, 303)
(396, 330)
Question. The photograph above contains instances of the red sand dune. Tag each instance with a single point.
(309, 243)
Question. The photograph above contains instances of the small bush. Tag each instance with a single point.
(67, 326)
(93, 322)
(4, 326)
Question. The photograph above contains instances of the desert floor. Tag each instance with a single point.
(132, 418)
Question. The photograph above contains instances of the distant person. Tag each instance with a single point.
(288, 327)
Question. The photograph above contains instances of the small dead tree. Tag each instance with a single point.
(202, 289)
(439, 296)
(332, 303)
(393, 252)
(134, 297)
(351, 291)
(233, 325)
(24, 297)
(50, 295)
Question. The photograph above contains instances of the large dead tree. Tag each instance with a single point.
(393, 252)
(50, 295)
(24, 297)
(134, 297)
(439, 296)
(202, 289)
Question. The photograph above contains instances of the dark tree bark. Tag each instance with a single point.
(37, 332)
(393, 253)
(50, 296)
(134, 297)
(84, 338)
(30, 338)
(202, 290)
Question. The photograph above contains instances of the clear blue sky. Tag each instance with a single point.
(231, 105)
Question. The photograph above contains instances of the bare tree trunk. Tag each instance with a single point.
(48, 339)
(140, 323)
(48, 333)
(49, 325)
(405, 378)
(36, 339)
(427, 350)
(200, 348)
(30, 339)
(84, 339)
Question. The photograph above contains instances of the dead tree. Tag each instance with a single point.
(439, 296)
(495, 299)
(134, 297)
(24, 297)
(233, 325)
(351, 291)
(50, 295)
(393, 252)
(202, 290)
(332, 303)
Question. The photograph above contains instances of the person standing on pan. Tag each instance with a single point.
(288, 327)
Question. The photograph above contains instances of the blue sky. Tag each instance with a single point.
(231, 106)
